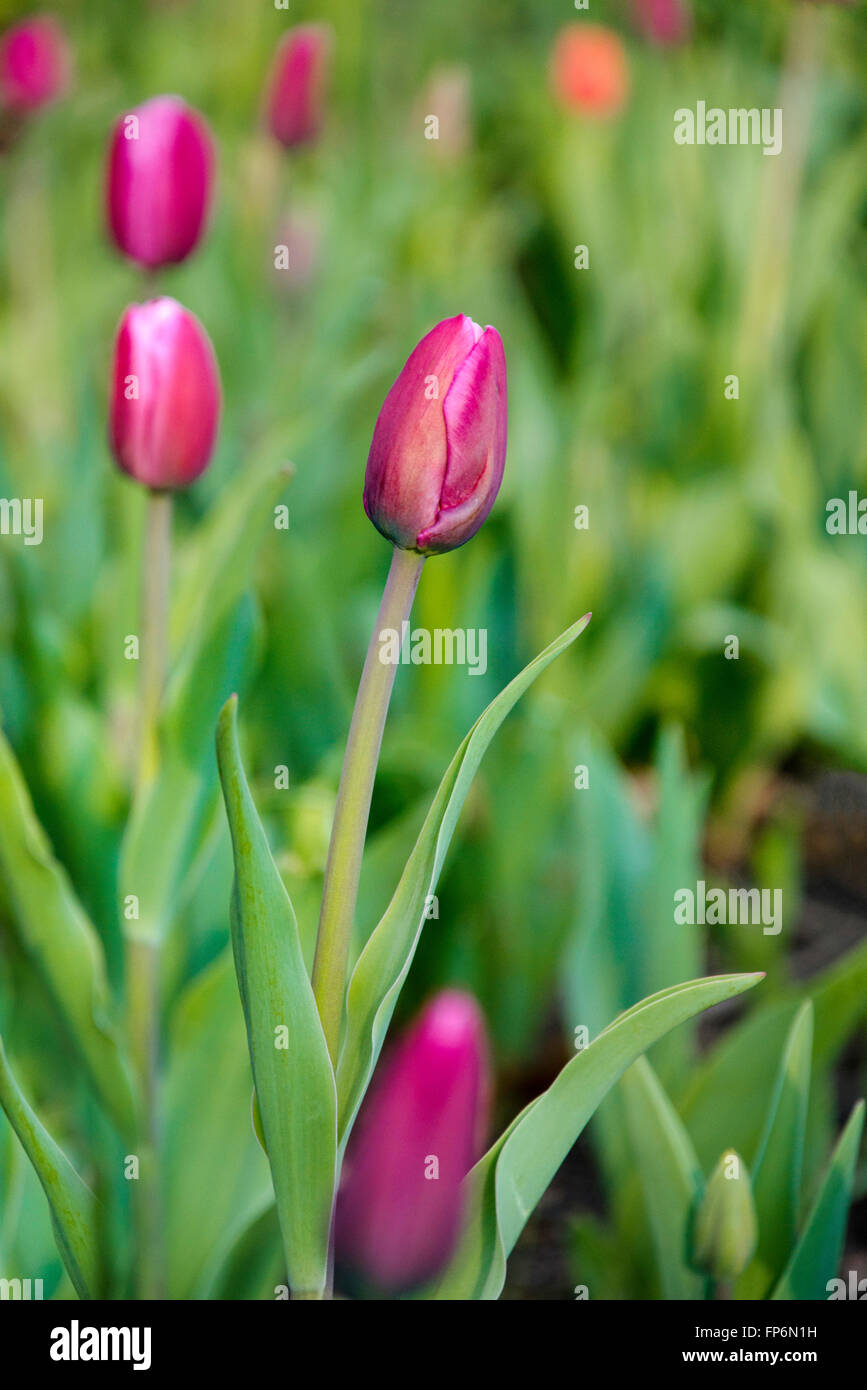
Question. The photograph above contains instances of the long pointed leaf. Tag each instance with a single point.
(292, 1073)
(778, 1164)
(59, 938)
(670, 1175)
(505, 1185)
(71, 1203)
(816, 1257)
(383, 964)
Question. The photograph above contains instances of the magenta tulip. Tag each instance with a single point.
(294, 104)
(664, 22)
(160, 176)
(421, 1130)
(166, 395)
(34, 64)
(439, 446)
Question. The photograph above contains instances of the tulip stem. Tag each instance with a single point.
(143, 953)
(156, 565)
(348, 831)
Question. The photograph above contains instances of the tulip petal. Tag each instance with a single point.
(406, 467)
(475, 414)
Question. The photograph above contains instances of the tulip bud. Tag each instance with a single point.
(296, 91)
(589, 71)
(663, 22)
(439, 446)
(421, 1130)
(160, 175)
(166, 395)
(34, 65)
(726, 1229)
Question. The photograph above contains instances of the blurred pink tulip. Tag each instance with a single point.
(295, 99)
(160, 176)
(34, 64)
(664, 22)
(421, 1130)
(165, 395)
(439, 446)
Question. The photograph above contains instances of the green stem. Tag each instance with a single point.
(349, 829)
(143, 953)
(156, 565)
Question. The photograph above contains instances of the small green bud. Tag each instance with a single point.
(726, 1230)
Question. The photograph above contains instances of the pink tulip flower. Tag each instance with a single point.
(34, 64)
(165, 405)
(664, 22)
(160, 177)
(421, 1130)
(439, 446)
(295, 99)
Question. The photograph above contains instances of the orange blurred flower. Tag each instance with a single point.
(589, 70)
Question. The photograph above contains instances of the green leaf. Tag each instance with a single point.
(505, 1185)
(219, 558)
(207, 1040)
(211, 635)
(59, 938)
(293, 1077)
(778, 1165)
(383, 964)
(669, 1173)
(170, 819)
(816, 1256)
(726, 1101)
(71, 1203)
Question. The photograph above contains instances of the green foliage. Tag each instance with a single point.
(289, 1058)
(706, 517)
(506, 1184)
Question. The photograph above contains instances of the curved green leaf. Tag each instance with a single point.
(383, 964)
(70, 1201)
(670, 1176)
(816, 1257)
(58, 936)
(207, 1040)
(505, 1185)
(291, 1068)
(778, 1164)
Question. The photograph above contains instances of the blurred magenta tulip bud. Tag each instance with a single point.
(160, 176)
(166, 395)
(421, 1130)
(34, 64)
(294, 104)
(439, 446)
(663, 22)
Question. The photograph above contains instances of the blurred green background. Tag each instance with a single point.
(706, 519)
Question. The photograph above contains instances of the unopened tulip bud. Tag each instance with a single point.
(295, 99)
(160, 176)
(589, 70)
(664, 22)
(34, 65)
(166, 395)
(422, 1129)
(439, 446)
(726, 1229)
